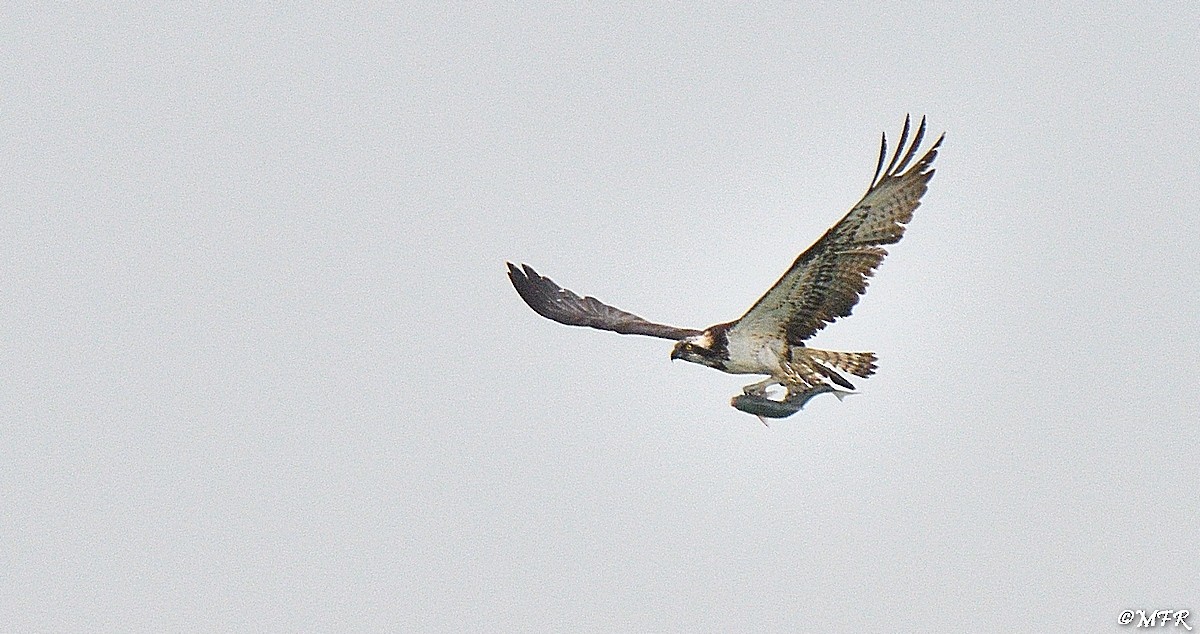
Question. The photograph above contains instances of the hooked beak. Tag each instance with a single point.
(676, 353)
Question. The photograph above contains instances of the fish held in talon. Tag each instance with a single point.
(764, 407)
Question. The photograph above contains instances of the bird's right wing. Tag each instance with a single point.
(825, 282)
(559, 304)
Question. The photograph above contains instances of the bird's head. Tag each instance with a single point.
(701, 348)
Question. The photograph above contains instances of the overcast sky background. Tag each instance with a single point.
(263, 370)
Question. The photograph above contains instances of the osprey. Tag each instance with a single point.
(823, 284)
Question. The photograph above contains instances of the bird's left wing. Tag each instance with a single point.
(559, 304)
(824, 283)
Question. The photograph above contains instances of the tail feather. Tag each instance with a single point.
(856, 363)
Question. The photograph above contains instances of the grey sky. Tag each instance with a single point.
(263, 369)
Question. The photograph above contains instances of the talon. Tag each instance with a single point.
(760, 388)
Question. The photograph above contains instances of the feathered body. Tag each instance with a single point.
(822, 285)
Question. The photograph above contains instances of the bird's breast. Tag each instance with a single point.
(754, 355)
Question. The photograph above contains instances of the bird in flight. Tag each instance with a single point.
(822, 285)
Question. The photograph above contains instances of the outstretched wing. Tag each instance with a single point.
(555, 302)
(824, 283)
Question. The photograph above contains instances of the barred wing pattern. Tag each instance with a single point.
(825, 282)
(559, 304)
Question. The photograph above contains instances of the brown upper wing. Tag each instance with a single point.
(555, 302)
(824, 283)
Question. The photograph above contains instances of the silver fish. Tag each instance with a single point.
(765, 408)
